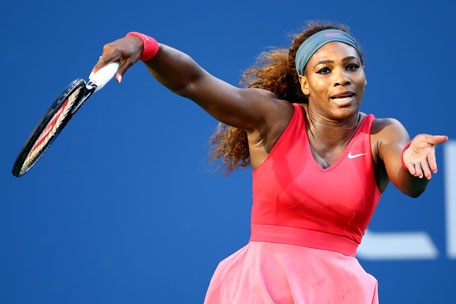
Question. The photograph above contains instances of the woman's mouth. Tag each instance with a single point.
(343, 98)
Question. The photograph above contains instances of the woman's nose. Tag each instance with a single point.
(341, 77)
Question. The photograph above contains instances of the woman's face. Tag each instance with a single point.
(334, 81)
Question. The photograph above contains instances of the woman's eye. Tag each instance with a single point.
(324, 70)
(352, 67)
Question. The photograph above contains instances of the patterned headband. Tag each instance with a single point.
(316, 41)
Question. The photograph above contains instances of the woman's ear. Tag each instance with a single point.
(304, 85)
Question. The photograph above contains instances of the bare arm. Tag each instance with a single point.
(391, 137)
(249, 109)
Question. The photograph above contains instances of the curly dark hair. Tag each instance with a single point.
(275, 71)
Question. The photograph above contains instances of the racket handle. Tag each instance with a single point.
(104, 75)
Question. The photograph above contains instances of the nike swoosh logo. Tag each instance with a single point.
(356, 155)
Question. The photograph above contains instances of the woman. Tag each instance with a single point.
(319, 165)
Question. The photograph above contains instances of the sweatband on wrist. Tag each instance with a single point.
(312, 44)
(402, 155)
(150, 46)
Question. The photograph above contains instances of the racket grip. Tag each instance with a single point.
(104, 75)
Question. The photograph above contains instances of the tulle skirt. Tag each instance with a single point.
(263, 272)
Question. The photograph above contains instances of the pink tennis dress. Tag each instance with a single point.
(307, 223)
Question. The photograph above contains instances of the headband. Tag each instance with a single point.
(316, 41)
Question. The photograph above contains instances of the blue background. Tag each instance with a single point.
(124, 209)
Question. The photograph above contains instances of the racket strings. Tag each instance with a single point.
(50, 130)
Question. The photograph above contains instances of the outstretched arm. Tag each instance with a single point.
(419, 157)
(249, 109)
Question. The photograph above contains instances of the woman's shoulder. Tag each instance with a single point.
(388, 130)
(380, 125)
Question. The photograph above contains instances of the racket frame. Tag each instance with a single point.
(84, 92)
(52, 116)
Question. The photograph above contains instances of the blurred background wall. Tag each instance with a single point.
(124, 208)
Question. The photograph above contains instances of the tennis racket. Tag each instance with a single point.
(58, 115)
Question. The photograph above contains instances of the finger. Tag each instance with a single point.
(436, 139)
(110, 54)
(418, 171)
(97, 66)
(426, 170)
(411, 168)
(123, 67)
(102, 61)
(432, 161)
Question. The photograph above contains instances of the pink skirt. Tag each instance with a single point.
(263, 272)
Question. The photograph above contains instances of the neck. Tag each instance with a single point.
(330, 132)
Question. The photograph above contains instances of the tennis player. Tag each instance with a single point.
(319, 164)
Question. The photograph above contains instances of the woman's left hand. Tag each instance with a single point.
(419, 157)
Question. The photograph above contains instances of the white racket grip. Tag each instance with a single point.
(104, 75)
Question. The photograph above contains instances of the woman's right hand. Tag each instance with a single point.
(126, 51)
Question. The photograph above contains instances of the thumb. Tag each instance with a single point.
(436, 139)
